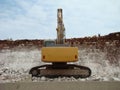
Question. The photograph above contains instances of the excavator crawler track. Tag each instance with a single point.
(69, 70)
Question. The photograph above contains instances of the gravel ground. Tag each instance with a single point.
(16, 63)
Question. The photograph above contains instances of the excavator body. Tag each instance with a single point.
(58, 54)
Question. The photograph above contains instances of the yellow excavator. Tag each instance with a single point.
(58, 55)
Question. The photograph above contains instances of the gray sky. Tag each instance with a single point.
(37, 19)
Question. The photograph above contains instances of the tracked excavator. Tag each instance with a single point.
(58, 55)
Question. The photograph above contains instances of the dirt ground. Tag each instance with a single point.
(94, 85)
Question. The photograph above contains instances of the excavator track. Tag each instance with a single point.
(69, 70)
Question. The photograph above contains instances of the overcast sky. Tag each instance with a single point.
(37, 19)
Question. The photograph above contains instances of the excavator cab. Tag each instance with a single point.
(49, 43)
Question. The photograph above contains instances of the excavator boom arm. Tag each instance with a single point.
(60, 28)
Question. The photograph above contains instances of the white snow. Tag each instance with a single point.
(15, 65)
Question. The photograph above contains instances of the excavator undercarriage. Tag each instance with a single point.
(61, 70)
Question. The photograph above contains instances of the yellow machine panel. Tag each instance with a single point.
(59, 54)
